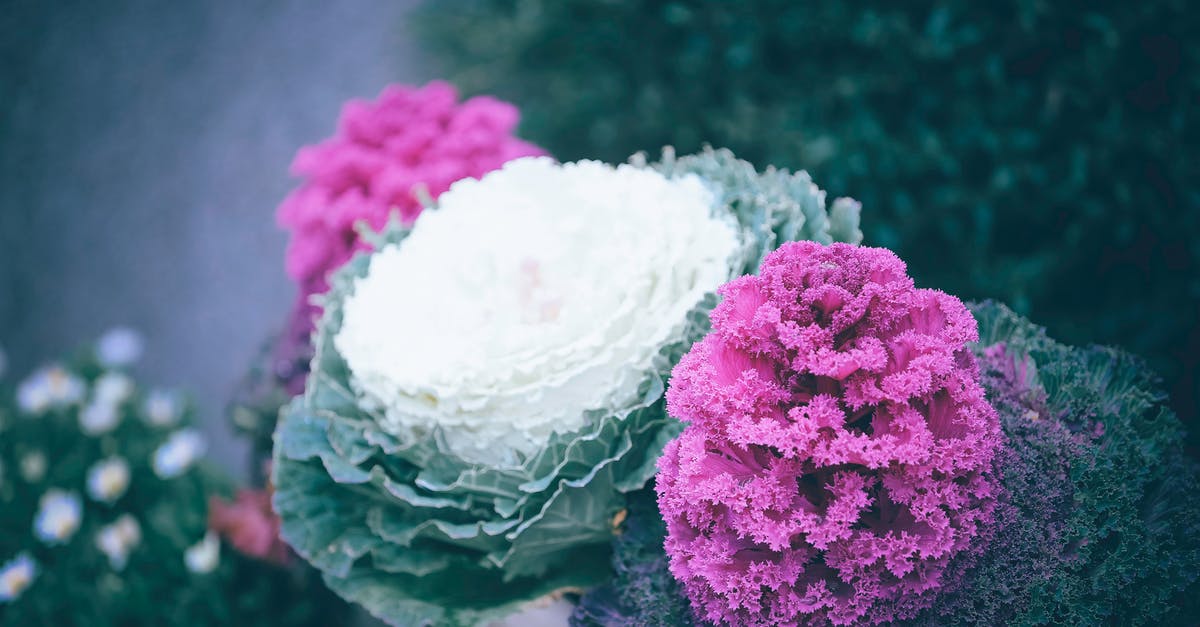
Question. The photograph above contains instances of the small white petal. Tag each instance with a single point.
(203, 557)
(16, 576)
(118, 539)
(49, 388)
(112, 388)
(65, 388)
(33, 396)
(98, 418)
(178, 453)
(119, 347)
(108, 479)
(59, 516)
(33, 466)
(162, 408)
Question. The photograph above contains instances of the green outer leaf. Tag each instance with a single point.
(417, 535)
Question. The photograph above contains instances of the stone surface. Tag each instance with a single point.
(143, 149)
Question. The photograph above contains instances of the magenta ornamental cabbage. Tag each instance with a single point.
(839, 451)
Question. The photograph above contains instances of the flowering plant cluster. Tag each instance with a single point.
(388, 157)
(1097, 505)
(102, 507)
(488, 386)
(839, 452)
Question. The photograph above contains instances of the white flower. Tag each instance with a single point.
(112, 388)
(58, 518)
(203, 557)
(178, 453)
(108, 479)
(16, 576)
(162, 408)
(98, 418)
(33, 466)
(119, 347)
(49, 388)
(530, 297)
(102, 414)
(118, 539)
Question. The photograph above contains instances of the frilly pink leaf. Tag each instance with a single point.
(840, 447)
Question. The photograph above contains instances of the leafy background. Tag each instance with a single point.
(1039, 153)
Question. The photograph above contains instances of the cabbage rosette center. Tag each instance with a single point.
(488, 385)
(528, 299)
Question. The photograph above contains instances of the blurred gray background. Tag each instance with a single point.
(144, 147)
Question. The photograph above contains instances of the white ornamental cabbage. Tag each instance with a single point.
(528, 298)
(488, 386)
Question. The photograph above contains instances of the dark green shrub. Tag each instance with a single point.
(1042, 153)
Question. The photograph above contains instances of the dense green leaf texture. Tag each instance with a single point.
(1043, 153)
(642, 592)
(1102, 520)
(418, 536)
(1100, 524)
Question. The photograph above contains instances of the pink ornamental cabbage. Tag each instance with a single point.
(382, 154)
(839, 451)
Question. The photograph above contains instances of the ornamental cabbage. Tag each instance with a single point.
(488, 385)
(496, 322)
(1098, 505)
(839, 451)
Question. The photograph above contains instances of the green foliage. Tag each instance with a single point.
(76, 583)
(642, 591)
(1103, 505)
(1040, 153)
(420, 537)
